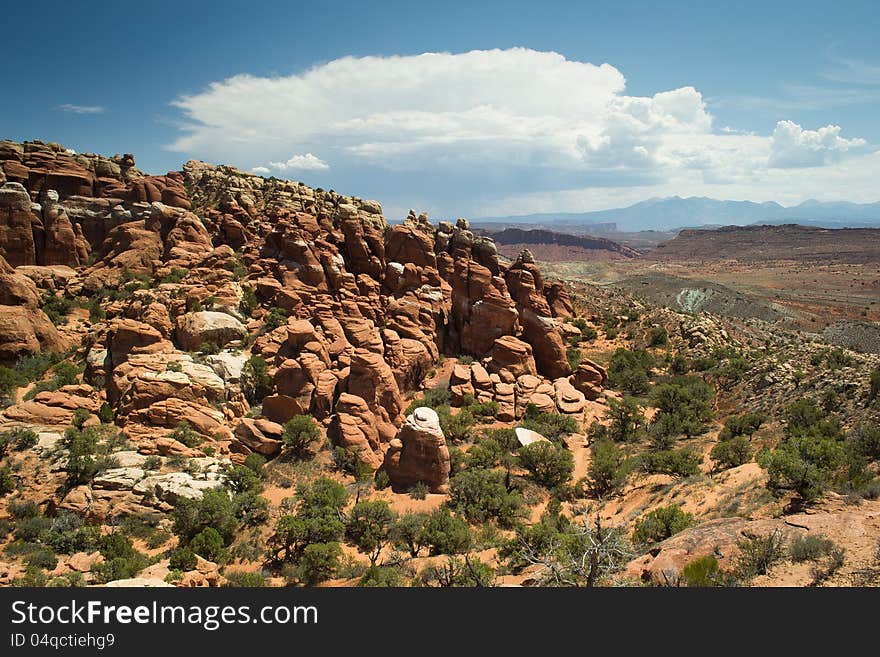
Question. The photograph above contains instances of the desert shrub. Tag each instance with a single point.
(31, 529)
(677, 463)
(549, 464)
(552, 426)
(8, 481)
(482, 411)
(657, 337)
(376, 577)
(629, 370)
(457, 428)
(660, 524)
(408, 532)
(121, 559)
(758, 554)
(42, 557)
(176, 275)
(64, 373)
(319, 562)
(480, 495)
(730, 453)
(318, 519)
(485, 454)
(182, 558)
(21, 509)
(214, 509)
(684, 406)
(704, 572)
(85, 459)
(249, 302)
(79, 418)
(300, 435)
(456, 572)
(864, 441)
(434, 398)
(242, 479)
(184, 433)
(96, 312)
(255, 381)
(381, 480)
(243, 579)
(419, 491)
(742, 425)
(607, 471)
(106, 413)
(209, 348)
(274, 318)
(67, 534)
(444, 533)
(56, 308)
(9, 381)
(810, 547)
(19, 438)
(625, 419)
(208, 544)
(152, 463)
(574, 356)
(811, 458)
(369, 526)
(250, 508)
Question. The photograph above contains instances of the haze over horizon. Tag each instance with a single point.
(464, 111)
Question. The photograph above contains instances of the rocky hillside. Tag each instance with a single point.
(210, 377)
(785, 242)
(551, 246)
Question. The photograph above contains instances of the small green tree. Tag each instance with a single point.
(730, 453)
(208, 544)
(444, 533)
(607, 470)
(408, 533)
(625, 418)
(255, 381)
(549, 465)
(660, 524)
(480, 495)
(319, 562)
(369, 527)
(300, 434)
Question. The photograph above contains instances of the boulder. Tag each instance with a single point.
(419, 453)
(513, 355)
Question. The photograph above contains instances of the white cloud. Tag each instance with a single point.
(460, 131)
(81, 109)
(262, 171)
(792, 146)
(307, 162)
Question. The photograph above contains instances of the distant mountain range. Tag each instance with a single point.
(693, 212)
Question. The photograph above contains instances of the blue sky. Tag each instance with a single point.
(761, 100)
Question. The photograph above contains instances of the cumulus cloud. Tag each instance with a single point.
(792, 146)
(262, 171)
(81, 109)
(483, 123)
(307, 162)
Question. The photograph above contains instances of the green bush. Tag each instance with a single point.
(607, 471)
(8, 381)
(660, 524)
(19, 438)
(807, 464)
(731, 453)
(703, 572)
(444, 533)
(629, 370)
(318, 519)
(625, 419)
(106, 413)
(678, 463)
(574, 356)
(810, 547)
(481, 495)
(56, 308)
(249, 302)
(182, 558)
(121, 559)
(376, 577)
(319, 562)
(657, 337)
(42, 558)
(684, 406)
(742, 425)
(255, 381)
(549, 464)
(552, 426)
(242, 479)
(457, 428)
(214, 509)
(300, 435)
(208, 544)
(369, 527)
(242, 579)
(408, 533)
(250, 508)
(276, 317)
(456, 572)
(757, 555)
(419, 491)
(84, 458)
(8, 481)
